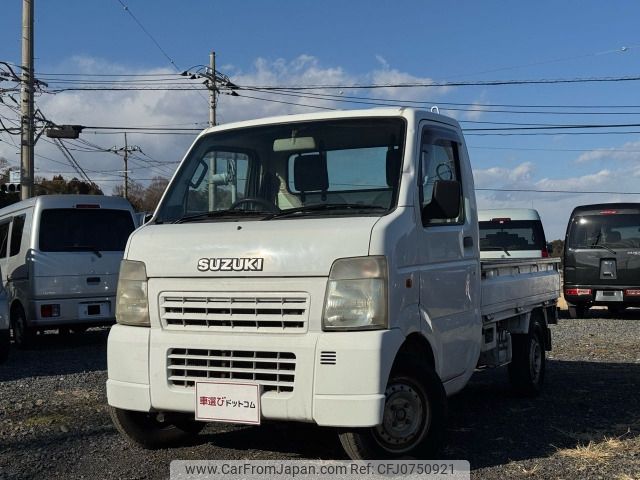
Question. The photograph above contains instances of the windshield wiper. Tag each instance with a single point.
(595, 244)
(323, 207)
(496, 248)
(84, 248)
(220, 213)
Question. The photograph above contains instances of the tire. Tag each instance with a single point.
(578, 311)
(24, 336)
(5, 341)
(528, 362)
(148, 431)
(415, 396)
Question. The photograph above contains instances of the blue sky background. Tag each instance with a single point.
(308, 42)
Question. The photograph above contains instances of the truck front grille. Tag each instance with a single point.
(275, 371)
(231, 312)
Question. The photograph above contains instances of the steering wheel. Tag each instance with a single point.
(269, 206)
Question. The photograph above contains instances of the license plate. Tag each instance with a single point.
(228, 402)
(609, 296)
(98, 309)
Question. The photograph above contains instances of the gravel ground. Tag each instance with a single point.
(586, 424)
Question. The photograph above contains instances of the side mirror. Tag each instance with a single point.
(445, 201)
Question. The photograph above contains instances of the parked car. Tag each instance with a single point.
(331, 274)
(602, 257)
(5, 333)
(60, 256)
(511, 233)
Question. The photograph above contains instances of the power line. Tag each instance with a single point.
(533, 190)
(283, 102)
(548, 133)
(557, 127)
(135, 19)
(483, 83)
(598, 149)
(143, 128)
(474, 107)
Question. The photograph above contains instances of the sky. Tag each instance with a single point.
(354, 42)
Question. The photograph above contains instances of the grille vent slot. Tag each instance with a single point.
(328, 358)
(268, 312)
(275, 371)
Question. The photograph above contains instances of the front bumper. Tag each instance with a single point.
(340, 377)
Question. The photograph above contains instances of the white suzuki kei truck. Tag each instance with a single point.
(60, 256)
(320, 268)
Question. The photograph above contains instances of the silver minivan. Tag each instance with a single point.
(511, 233)
(60, 257)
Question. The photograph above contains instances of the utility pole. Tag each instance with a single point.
(126, 150)
(213, 92)
(213, 162)
(26, 102)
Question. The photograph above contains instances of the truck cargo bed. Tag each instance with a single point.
(518, 286)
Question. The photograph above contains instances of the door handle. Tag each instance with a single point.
(467, 242)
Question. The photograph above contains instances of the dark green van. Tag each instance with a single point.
(602, 257)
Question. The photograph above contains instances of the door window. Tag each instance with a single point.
(438, 161)
(16, 234)
(4, 237)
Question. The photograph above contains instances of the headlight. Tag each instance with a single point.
(356, 295)
(132, 304)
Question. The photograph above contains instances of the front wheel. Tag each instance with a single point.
(5, 340)
(153, 430)
(527, 367)
(413, 422)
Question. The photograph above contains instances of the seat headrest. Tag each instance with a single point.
(310, 173)
(393, 167)
(614, 237)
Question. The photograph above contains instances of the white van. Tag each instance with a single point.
(60, 256)
(4, 327)
(511, 233)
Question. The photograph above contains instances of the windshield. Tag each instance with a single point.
(504, 234)
(612, 231)
(90, 230)
(328, 167)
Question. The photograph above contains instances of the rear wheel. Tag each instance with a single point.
(578, 311)
(5, 340)
(24, 336)
(414, 418)
(153, 430)
(527, 367)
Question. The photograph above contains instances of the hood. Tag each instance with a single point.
(294, 247)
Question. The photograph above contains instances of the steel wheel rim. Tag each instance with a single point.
(535, 359)
(406, 418)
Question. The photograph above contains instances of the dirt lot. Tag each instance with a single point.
(54, 424)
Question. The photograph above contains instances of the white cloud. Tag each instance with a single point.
(628, 152)
(490, 177)
(477, 109)
(189, 109)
